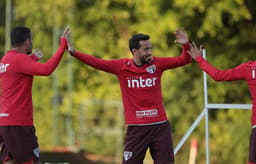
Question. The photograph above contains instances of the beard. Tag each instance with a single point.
(146, 60)
(29, 52)
(29, 48)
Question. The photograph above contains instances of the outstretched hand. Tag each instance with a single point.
(181, 36)
(66, 32)
(70, 46)
(194, 52)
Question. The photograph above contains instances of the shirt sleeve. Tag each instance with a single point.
(28, 65)
(111, 66)
(236, 73)
(173, 62)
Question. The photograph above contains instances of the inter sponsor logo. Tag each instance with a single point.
(147, 113)
(141, 83)
(3, 67)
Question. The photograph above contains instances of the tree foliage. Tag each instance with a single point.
(102, 28)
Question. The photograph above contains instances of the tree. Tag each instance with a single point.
(102, 28)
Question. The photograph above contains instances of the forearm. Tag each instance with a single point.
(236, 73)
(88, 59)
(53, 62)
(97, 63)
(184, 58)
(209, 69)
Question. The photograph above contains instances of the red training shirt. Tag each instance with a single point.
(140, 86)
(16, 78)
(245, 71)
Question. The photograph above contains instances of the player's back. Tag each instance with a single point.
(16, 99)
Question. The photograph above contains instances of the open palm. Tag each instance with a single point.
(181, 36)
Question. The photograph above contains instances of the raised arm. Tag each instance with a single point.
(111, 66)
(237, 73)
(30, 66)
(184, 58)
(182, 38)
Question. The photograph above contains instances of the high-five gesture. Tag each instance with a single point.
(181, 36)
(66, 32)
(194, 52)
(71, 49)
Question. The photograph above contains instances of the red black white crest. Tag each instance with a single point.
(151, 69)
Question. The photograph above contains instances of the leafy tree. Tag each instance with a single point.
(102, 28)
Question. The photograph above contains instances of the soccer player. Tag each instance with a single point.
(18, 140)
(245, 71)
(140, 83)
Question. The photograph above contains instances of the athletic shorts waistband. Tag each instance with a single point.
(155, 123)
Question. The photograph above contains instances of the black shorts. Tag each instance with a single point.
(155, 137)
(252, 149)
(19, 143)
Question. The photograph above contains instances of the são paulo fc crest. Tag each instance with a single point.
(36, 152)
(151, 69)
(127, 155)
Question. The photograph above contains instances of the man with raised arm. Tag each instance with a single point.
(140, 83)
(18, 140)
(245, 71)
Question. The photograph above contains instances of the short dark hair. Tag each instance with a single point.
(19, 35)
(134, 42)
